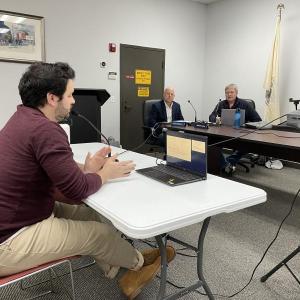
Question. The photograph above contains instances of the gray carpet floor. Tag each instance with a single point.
(234, 244)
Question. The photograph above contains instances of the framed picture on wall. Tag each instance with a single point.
(21, 37)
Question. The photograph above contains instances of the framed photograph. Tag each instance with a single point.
(21, 37)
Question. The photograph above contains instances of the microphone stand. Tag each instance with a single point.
(194, 110)
(77, 114)
(198, 124)
(296, 102)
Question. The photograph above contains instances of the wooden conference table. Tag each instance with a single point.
(141, 207)
(273, 143)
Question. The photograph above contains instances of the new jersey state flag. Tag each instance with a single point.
(271, 83)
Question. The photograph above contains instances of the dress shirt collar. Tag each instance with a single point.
(169, 111)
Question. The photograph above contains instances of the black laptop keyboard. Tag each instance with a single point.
(162, 171)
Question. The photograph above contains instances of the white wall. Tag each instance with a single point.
(79, 33)
(207, 47)
(238, 43)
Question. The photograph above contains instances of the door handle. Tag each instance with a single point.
(126, 106)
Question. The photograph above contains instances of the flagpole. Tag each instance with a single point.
(280, 7)
(271, 82)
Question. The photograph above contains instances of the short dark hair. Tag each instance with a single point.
(42, 78)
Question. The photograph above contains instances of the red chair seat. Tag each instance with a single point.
(10, 278)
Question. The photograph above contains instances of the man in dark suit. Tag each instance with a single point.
(167, 110)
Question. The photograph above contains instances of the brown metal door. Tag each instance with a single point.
(141, 78)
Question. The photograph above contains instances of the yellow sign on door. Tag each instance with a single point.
(143, 91)
(143, 77)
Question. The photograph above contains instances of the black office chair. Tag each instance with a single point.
(152, 141)
(249, 158)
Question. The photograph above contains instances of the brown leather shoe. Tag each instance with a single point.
(132, 282)
(150, 255)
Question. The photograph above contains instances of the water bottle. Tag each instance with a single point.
(218, 120)
(237, 118)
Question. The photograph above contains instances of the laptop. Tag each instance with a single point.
(186, 160)
(227, 116)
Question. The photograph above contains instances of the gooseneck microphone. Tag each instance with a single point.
(77, 114)
(193, 109)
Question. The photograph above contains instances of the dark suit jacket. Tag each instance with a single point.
(251, 114)
(158, 113)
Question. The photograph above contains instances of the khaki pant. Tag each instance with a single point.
(71, 230)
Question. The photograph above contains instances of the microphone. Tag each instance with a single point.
(193, 109)
(218, 118)
(77, 114)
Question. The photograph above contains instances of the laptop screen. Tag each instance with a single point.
(187, 151)
(227, 116)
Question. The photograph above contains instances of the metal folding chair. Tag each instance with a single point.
(50, 268)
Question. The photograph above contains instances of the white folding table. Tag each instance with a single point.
(141, 207)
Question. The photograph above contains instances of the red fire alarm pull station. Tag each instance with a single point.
(112, 47)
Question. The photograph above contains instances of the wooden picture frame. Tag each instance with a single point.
(21, 37)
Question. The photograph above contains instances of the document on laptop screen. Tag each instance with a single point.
(179, 147)
(198, 146)
(187, 152)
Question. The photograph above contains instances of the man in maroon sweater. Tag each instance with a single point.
(36, 166)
